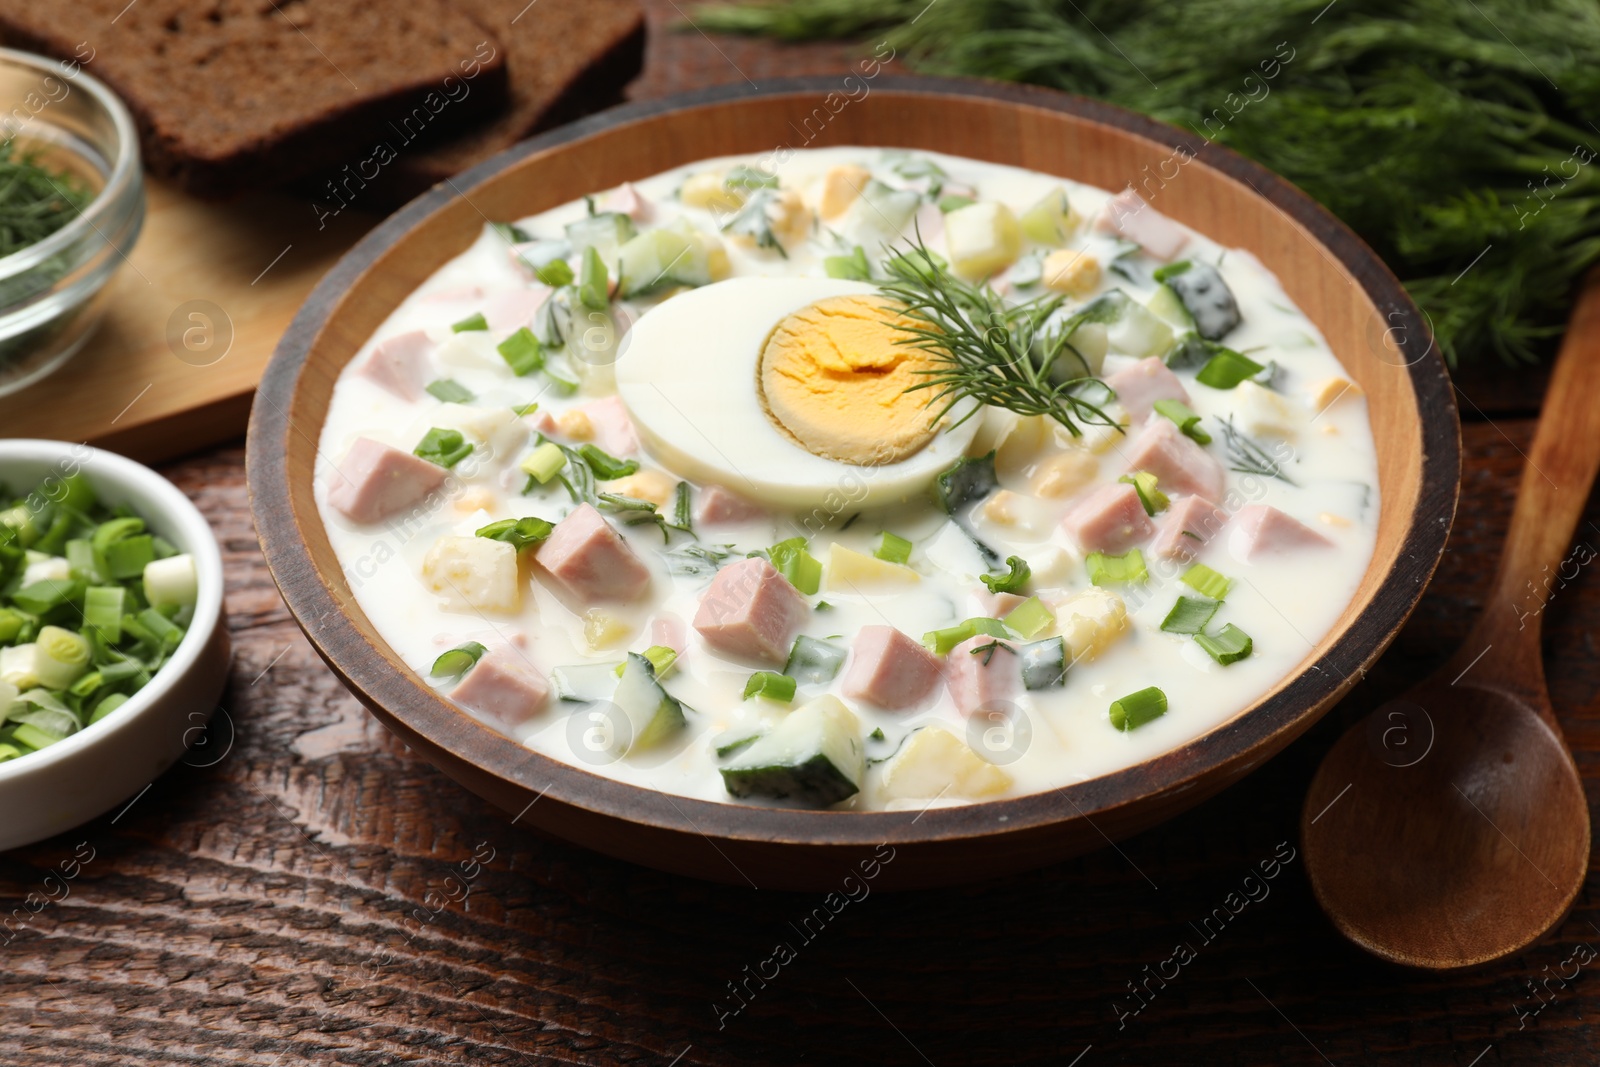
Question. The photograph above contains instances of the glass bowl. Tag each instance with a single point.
(51, 293)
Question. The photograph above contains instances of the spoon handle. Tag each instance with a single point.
(1540, 557)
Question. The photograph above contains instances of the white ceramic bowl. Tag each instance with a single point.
(51, 791)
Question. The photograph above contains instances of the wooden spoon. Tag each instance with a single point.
(1450, 827)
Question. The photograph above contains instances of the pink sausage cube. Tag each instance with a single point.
(1129, 215)
(715, 505)
(613, 427)
(751, 612)
(981, 678)
(1260, 529)
(1180, 465)
(668, 630)
(1141, 385)
(513, 309)
(374, 481)
(626, 200)
(504, 686)
(400, 364)
(1186, 526)
(1110, 519)
(889, 669)
(590, 561)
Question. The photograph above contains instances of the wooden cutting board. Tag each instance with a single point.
(191, 319)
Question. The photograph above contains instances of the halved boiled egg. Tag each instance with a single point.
(791, 391)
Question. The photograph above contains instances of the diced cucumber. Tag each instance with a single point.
(814, 755)
(880, 215)
(813, 661)
(1205, 295)
(1050, 221)
(653, 714)
(1112, 322)
(672, 255)
(584, 682)
(981, 238)
(1044, 663)
(606, 233)
(1166, 304)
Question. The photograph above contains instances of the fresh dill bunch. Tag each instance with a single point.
(35, 201)
(1454, 138)
(982, 349)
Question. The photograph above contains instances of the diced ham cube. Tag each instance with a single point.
(715, 505)
(1186, 526)
(590, 561)
(889, 669)
(1260, 529)
(1180, 465)
(626, 200)
(930, 223)
(997, 605)
(1110, 519)
(509, 311)
(1142, 384)
(751, 612)
(613, 427)
(374, 481)
(1129, 215)
(400, 364)
(981, 678)
(503, 686)
(668, 630)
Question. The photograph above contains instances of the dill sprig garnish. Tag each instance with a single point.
(982, 349)
(1247, 456)
(35, 201)
(1456, 138)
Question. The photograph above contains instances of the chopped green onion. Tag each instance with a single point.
(791, 560)
(60, 657)
(544, 462)
(1144, 483)
(444, 447)
(1031, 617)
(892, 548)
(564, 384)
(83, 560)
(682, 513)
(940, 642)
(11, 624)
(606, 467)
(771, 685)
(451, 391)
(954, 202)
(108, 703)
(45, 596)
(103, 607)
(171, 582)
(522, 352)
(9, 752)
(555, 273)
(166, 634)
(524, 409)
(457, 661)
(1016, 577)
(594, 283)
(1207, 582)
(1185, 417)
(1189, 615)
(475, 321)
(128, 557)
(1127, 568)
(518, 533)
(661, 658)
(34, 737)
(1227, 368)
(1136, 709)
(853, 266)
(1228, 645)
(115, 530)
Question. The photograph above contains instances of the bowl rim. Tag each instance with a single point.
(407, 701)
(176, 510)
(125, 173)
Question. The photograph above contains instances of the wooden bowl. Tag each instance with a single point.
(1373, 327)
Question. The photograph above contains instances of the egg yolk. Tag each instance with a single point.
(833, 378)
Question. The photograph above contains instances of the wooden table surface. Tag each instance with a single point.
(305, 889)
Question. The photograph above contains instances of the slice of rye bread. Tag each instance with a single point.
(237, 94)
(567, 58)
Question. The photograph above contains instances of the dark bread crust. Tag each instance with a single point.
(237, 94)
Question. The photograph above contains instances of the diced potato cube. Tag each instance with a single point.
(472, 349)
(840, 187)
(709, 191)
(473, 573)
(1001, 508)
(603, 630)
(1263, 413)
(477, 424)
(934, 762)
(652, 485)
(1064, 473)
(1070, 271)
(981, 238)
(1090, 621)
(1051, 564)
(475, 498)
(849, 570)
(1330, 391)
